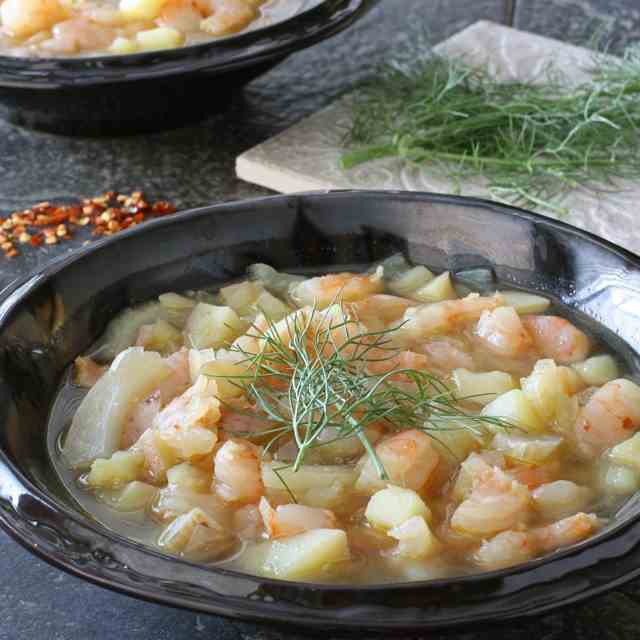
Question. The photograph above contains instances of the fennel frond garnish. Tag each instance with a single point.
(316, 375)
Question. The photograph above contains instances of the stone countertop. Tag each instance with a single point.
(195, 165)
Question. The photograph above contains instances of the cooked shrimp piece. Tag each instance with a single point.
(408, 458)
(291, 519)
(472, 469)
(559, 499)
(565, 532)
(381, 309)
(242, 424)
(337, 287)
(79, 34)
(505, 550)
(502, 332)
(104, 15)
(230, 16)
(610, 416)
(158, 456)
(443, 317)
(87, 372)
(247, 522)
(140, 419)
(237, 474)
(535, 475)
(23, 18)
(496, 503)
(446, 354)
(189, 410)
(381, 361)
(557, 338)
(179, 380)
(179, 15)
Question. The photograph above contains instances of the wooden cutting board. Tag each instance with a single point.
(306, 156)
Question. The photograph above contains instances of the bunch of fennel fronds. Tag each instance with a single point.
(531, 142)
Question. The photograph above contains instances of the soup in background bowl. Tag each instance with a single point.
(53, 28)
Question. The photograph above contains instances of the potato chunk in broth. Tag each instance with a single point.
(351, 427)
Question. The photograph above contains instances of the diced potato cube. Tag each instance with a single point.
(627, 452)
(307, 477)
(159, 38)
(247, 523)
(160, 336)
(415, 539)
(597, 370)
(196, 534)
(122, 467)
(122, 332)
(98, 424)
(325, 497)
(173, 501)
(123, 46)
(559, 499)
(528, 449)
(524, 302)
(481, 388)
(241, 297)
(438, 289)
(188, 476)
(141, 9)
(136, 496)
(197, 359)
(544, 387)
(454, 441)
(392, 506)
(210, 326)
(271, 307)
(412, 280)
(279, 284)
(572, 381)
(190, 442)
(229, 377)
(176, 308)
(620, 480)
(515, 408)
(308, 555)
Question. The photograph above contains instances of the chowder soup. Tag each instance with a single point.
(350, 427)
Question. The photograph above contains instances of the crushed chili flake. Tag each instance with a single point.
(47, 223)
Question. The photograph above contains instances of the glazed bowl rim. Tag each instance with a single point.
(15, 293)
(299, 31)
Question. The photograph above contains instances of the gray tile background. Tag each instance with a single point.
(195, 165)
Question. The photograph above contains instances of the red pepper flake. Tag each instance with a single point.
(47, 223)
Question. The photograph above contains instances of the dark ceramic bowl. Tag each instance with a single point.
(48, 319)
(109, 95)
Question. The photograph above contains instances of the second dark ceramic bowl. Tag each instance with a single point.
(48, 319)
(110, 95)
